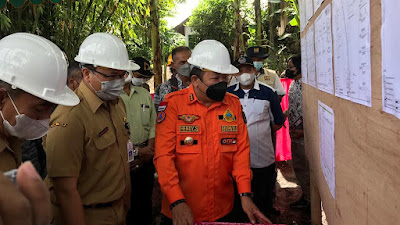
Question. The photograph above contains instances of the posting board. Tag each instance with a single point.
(366, 138)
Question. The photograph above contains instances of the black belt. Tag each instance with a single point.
(100, 205)
(142, 145)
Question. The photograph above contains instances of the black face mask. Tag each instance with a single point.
(217, 91)
(290, 74)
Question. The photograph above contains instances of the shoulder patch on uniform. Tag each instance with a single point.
(188, 118)
(162, 106)
(161, 116)
(228, 116)
(58, 124)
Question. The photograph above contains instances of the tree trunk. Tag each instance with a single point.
(257, 10)
(155, 43)
(238, 30)
(271, 35)
(284, 20)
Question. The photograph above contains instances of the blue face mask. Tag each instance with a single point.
(258, 65)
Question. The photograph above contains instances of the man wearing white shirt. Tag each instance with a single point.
(262, 108)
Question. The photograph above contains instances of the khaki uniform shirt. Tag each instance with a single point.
(89, 141)
(10, 153)
(141, 114)
(270, 78)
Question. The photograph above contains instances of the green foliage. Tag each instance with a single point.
(281, 47)
(214, 19)
(67, 24)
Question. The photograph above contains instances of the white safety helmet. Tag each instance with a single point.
(106, 50)
(212, 55)
(36, 66)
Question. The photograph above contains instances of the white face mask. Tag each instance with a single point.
(26, 127)
(246, 78)
(138, 81)
(258, 65)
(110, 90)
(129, 78)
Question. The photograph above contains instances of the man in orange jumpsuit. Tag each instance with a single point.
(202, 142)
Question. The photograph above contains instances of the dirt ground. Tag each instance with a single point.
(287, 192)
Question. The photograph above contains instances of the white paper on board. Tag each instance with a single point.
(390, 57)
(326, 123)
(323, 51)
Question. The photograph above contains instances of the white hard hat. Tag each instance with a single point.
(36, 66)
(106, 50)
(212, 55)
(133, 66)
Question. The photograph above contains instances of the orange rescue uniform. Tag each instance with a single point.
(197, 152)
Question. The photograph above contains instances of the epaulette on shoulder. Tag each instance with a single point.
(175, 93)
(267, 86)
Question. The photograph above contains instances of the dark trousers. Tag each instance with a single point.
(263, 186)
(142, 181)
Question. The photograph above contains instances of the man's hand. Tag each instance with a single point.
(145, 156)
(27, 204)
(252, 211)
(135, 164)
(182, 215)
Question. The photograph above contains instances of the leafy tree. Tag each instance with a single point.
(71, 21)
(214, 19)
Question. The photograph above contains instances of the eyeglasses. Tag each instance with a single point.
(122, 76)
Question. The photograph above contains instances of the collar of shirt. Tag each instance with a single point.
(180, 82)
(132, 91)
(256, 86)
(193, 98)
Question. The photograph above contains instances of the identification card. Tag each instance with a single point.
(131, 154)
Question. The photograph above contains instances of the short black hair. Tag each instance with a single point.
(72, 68)
(198, 72)
(296, 60)
(179, 49)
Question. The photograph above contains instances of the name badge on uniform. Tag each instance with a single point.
(129, 148)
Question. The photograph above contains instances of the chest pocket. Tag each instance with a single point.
(104, 138)
(228, 136)
(145, 114)
(260, 109)
(188, 138)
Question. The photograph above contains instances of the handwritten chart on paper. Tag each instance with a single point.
(304, 73)
(326, 119)
(311, 76)
(390, 57)
(351, 44)
(323, 51)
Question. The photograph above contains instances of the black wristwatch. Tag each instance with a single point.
(176, 203)
(247, 194)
